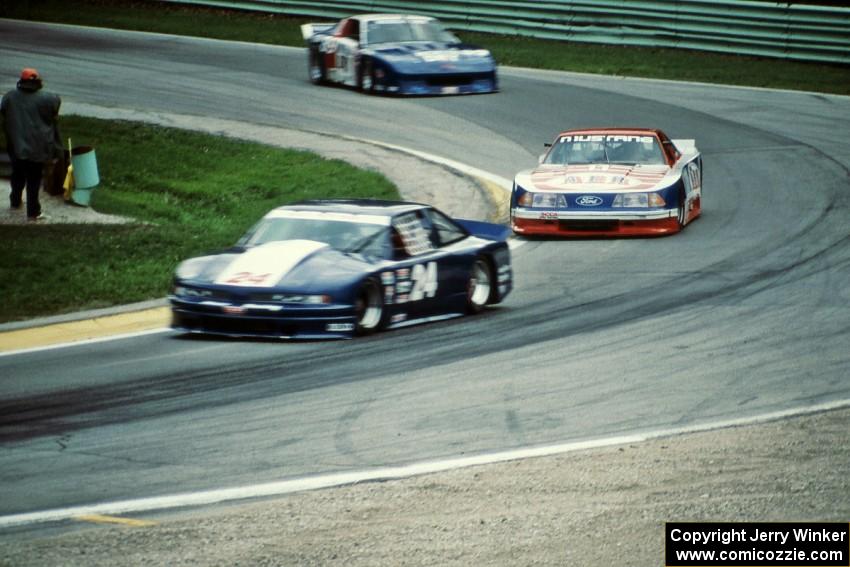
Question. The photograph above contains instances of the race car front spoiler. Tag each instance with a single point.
(594, 223)
(626, 215)
(255, 320)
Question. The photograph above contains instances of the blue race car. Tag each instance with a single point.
(343, 268)
(397, 54)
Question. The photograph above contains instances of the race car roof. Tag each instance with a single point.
(391, 17)
(355, 206)
(625, 131)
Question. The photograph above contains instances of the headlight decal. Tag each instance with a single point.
(184, 291)
(542, 200)
(638, 200)
(302, 299)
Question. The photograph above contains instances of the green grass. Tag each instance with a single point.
(657, 63)
(190, 192)
(678, 64)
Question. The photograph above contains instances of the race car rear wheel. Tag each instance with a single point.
(316, 66)
(479, 287)
(366, 78)
(369, 308)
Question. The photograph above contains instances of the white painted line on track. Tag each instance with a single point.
(86, 341)
(280, 488)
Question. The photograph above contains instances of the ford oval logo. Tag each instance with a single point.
(589, 201)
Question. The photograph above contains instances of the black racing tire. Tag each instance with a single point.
(479, 287)
(366, 77)
(369, 308)
(701, 179)
(681, 211)
(316, 66)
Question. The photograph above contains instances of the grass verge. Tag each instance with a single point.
(678, 64)
(190, 192)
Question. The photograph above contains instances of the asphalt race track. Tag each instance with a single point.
(742, 314)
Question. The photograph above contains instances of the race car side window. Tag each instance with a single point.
(414, 234)
(670, 150)
(349, 28)
(445, 231)
(399, 252)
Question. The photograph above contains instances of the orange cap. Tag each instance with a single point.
(29, 75)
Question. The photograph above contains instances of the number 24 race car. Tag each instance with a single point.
(609, 182)
(397, 54)
(341, 268)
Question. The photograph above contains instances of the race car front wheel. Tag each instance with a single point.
(479, 287)
(369, 308)
(682, 211)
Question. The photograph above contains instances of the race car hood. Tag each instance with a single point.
(599, 178)
(432, 57)
(294, 264)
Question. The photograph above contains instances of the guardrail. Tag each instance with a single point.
(783, 30)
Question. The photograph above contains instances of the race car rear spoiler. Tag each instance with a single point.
(309, 30)
(486, 230)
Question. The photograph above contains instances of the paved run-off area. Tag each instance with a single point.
(596, 507)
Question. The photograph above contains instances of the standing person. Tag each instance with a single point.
(30, 120)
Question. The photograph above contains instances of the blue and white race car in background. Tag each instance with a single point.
(397, 54)
(341, 268)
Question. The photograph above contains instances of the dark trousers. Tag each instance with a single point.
(27, 174)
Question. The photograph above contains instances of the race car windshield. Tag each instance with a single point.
(610, 149)
(346, 236)
(395, 31)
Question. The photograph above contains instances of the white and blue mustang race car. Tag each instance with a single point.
(397, 54)
(342, 268)
(610, 182)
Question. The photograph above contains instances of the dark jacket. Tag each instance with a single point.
(30, 119)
